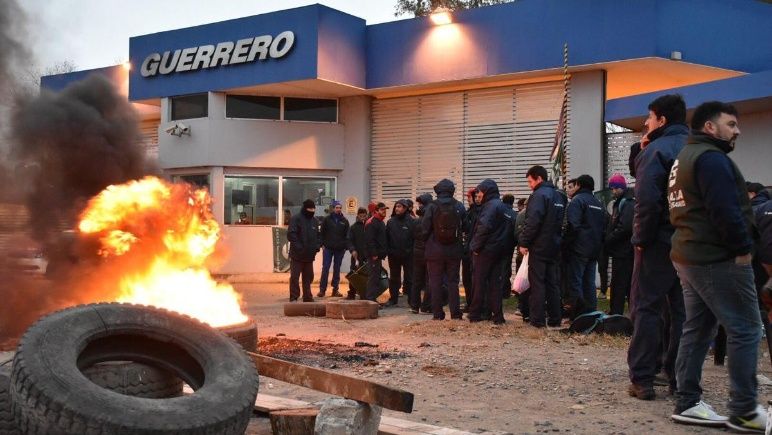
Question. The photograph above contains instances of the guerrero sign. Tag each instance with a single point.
(224, 53)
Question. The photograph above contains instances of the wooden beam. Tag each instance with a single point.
(333, 383)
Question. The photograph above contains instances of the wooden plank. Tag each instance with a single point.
(333, 383)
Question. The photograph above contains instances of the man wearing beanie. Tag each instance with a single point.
(618, 245)
(334, 232)
(377, 249)
(303, 235)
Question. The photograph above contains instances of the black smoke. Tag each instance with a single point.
(61, 150)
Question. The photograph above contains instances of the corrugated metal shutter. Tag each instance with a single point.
(464, 136)
(149, 141)
(618, 152)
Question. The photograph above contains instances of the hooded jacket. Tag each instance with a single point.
(651, 221)
(399, 232)
(543, 223)
(621, 227)
(585, 225)
(334, 231)
(356, 239)
(434, 249)
(303, 235)
(490, 234)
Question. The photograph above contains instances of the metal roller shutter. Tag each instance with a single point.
(464, 136)
(149, 141)
(618, 152)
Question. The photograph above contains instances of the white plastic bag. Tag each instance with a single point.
(521, 279)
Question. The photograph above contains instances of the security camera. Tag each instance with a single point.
(178, 129)
(183, 129)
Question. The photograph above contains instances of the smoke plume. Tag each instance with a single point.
(64, 148)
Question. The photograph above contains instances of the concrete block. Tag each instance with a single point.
(339, 416)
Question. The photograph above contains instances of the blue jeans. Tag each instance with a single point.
(581, 280)
(719, 293)
(327, 258)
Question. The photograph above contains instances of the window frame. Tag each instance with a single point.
(282, 118)
(171, 106)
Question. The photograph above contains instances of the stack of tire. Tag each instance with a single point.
(93, 369)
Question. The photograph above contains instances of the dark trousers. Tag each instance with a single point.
(400, 275)
(621, 277)
(487, 300)
(581, 280)
(466, 269)
(446, 270)
(603, 260)
(374, 280)
(306, 269)
(542, 276)
(655, 285)
(505, 275)
(332, 257)
(419, 285)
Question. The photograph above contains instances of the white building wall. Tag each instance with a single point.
(586, 125)
(753, 151)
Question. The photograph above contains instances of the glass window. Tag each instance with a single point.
(310, 109)
(190, 106)
(252, 107)
(198, 180)
(251, 200)
(298, 189)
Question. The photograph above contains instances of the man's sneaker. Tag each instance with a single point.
(700, 414)
(755, 422)
(320, 295)
(336, 294)
(642, 392)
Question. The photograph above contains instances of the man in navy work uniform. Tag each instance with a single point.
(585, 223)
(540, 239)
(334, 234)
(655, 283)
(617, 242)
(712, 243)
(377, 248)
(303, 235)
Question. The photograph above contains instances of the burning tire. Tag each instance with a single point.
(7, 425)
(134, 379)
(50, 394)
(244, 334)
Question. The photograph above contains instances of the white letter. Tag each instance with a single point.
(222, 54)
(240, 52)
(166, 67)
(186, 58)
(203, 57)
(260, 45)
(288, 38)
(150, 65)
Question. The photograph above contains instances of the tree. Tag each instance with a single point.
(421, 8)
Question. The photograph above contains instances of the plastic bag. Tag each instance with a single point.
(521, 279)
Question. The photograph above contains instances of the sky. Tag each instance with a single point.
(95, 33)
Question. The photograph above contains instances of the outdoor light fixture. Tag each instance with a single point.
(441, 16)
(127, 65)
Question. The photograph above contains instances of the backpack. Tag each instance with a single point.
(602, 323)
(447, 223)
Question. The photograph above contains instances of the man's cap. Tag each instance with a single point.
(380, 205)
(309, 203)
(335, 203)
(755, 187)
(617, 181)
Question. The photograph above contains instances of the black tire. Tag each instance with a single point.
(135, 379)
(244, 334)
(309, 309)
(50, 394)
(7, 425)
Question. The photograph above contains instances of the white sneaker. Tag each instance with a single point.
(755, 422)
(700, 414)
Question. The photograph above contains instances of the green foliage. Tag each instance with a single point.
(421, 8)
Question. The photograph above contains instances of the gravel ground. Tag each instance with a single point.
(478, 377)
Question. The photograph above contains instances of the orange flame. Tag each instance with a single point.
(162, 235)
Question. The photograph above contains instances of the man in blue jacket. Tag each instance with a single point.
(583, 236)
(489, 242)
(540, 240)
(655, 283)
(334, 233)
(712, 244)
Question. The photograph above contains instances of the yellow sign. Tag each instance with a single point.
(352, 204)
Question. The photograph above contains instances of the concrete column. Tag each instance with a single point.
(216, 105)
(587, 127)
(217, 190)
